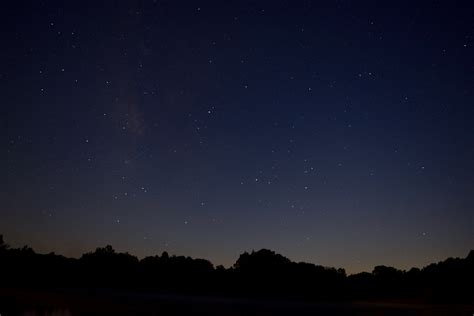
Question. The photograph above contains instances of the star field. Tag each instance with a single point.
(337, 133)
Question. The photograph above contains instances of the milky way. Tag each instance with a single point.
(340, 134)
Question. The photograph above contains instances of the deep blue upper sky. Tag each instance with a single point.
(338, 132)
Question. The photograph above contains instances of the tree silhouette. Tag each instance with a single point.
(3, 245)
(261, 273)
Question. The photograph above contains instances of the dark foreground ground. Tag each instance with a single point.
(80, 302)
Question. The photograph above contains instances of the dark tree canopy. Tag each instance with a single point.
(261, 273)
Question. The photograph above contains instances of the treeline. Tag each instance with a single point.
(260, 274)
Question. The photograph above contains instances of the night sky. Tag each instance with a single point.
(339, 132)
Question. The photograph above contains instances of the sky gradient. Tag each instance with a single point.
(339, 133)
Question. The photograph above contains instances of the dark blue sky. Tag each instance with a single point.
(338, 132)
